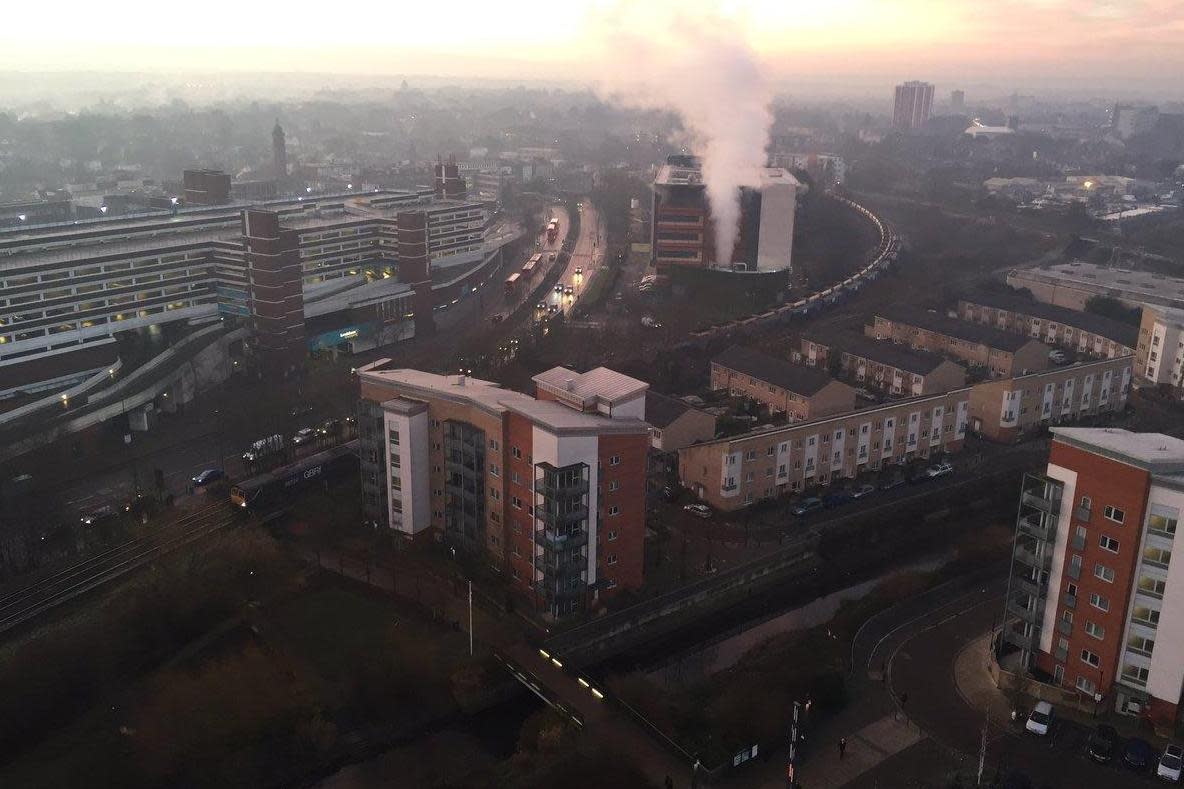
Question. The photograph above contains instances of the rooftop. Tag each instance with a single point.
(882, 351)
(491, 397)
(1125, 333)
(952, 327)
(1156, 452)
(792, 377)
(661, 410)
(1136, 285)
(601, 382)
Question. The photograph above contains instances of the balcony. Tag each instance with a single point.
(1061, 653)
(1027, 586)
(1081, 513)
(560, 541)
(1070, 601)
(1064, 628)
(562, 518)
(553, 489)
(1078, 542)
(1031, 615)
(1040, 502)
(1029, 558)
(1041, 493)
(565, 565)
(1073, 571)
(1018, 639)
(1037, 526)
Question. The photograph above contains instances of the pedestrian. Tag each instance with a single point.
(842, 748)
(904, 700)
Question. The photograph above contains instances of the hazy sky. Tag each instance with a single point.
(1098, 44)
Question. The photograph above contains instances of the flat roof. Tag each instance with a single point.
(1155, 452)
(1118, 331)
(1137, 284)
(792, 377)
(600, 382)
(882, 351)
(491, 397)
(959, 329)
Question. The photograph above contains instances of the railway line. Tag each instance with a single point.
(25, 604)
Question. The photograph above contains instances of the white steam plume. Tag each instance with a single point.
(660, 54)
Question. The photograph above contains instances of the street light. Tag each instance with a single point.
(103, 208)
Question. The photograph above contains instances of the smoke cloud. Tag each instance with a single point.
(661, 55)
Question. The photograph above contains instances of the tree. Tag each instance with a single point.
(1111, 307)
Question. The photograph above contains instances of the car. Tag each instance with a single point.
(330, 427)
(553, 308)
(1040, 719)
(939, 470)
(1137, 754)
(806, 506)
(1102, 743)
(1170, 763)
(579, 271)
(698, 510)
(569, 291)
(98, 515)
(559, 288)
(207, 476)
(839, 497)
(862, 490)
(540, 306)
(303, 436)
(894, 481)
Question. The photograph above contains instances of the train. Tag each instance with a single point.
(275, 489)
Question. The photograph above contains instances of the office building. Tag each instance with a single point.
(1094, 603)
(205, 187)
(1130, 120)
(1159, 357)
(912, 105)
(279, 154)
(682, 233)
(797, 391)
(1073, 284)
(884, 366)
(1001, 354)
(1072, 330)
(549, 491)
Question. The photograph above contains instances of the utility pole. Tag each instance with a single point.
(982, 750)
(793, 738)
(470, 618)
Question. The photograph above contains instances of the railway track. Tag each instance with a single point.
(23, 605)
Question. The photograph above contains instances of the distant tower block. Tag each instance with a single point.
(414, 267)
(447, 182)
(279, 152)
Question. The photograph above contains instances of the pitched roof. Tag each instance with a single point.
(661, 410)
(882, 351)
(1109, 328)
(952, 327)
(792, 377)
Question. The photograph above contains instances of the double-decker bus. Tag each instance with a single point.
(512, 283)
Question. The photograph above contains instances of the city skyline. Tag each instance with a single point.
(1049, 43)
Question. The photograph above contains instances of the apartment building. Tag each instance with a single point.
(883, 365)
(1002, 354)
(731, 473)
(1005, 409)
(1159, 355)
(551, 495)
(1094, 602)
(1083, 332)
(791, 389)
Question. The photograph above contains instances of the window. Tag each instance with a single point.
(1162, 524)
(614, 485)
(494, 471)
(1095, 630)
(612, 535)
(749, 455)
(615, 460)
(515, 478)
(1071, 589)
(1145, 615)
(612, 558)
(1136, 675)
(1067, 617)
(1114, 514)
(516, 452)
(1141, 644)
(1085, 685)
(516, 502)
(1152, 587)
(1104, 572)
(1085, 502)
(493, 444)
(1100, 602)
(1160, 557)
(614, 510)
(1108, 544)
(1090, 658)
(771, 451)
(394, 436)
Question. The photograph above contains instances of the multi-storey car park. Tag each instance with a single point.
(74, 286)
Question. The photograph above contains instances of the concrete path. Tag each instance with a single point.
(866, 748)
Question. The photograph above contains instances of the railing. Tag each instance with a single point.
(1070, 601)
(559, 518)
(1064, 628)
(1032, 615)
(1073, 571)
(1034, 525)
(551, 490)
(556, 541)
(1029, 558)
(1042, 503)
(1078, 542)
(1027, 585)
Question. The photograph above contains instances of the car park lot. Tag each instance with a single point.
(1070, 739)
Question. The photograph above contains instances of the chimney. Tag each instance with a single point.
(570, 384)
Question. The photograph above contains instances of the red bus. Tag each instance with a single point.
(512, 283)
(529, 269)
(553, 230)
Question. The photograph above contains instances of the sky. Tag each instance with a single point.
(1117, 45)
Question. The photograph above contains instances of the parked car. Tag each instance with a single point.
(1170, 763)
(330, 427)
(1137, 754)
(540, 306)
(1102, 743)
(579, 271)
(303, 436)
(698, 510)
(862, 490)
(98, 515)
(806, 506)
(559, 288)
(263, 447)
(207, 476)
(1040, 719)
(939, 470)
(569, 291)
(894, 481)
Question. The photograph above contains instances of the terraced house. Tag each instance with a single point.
(785, 388)
(1083, 332)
